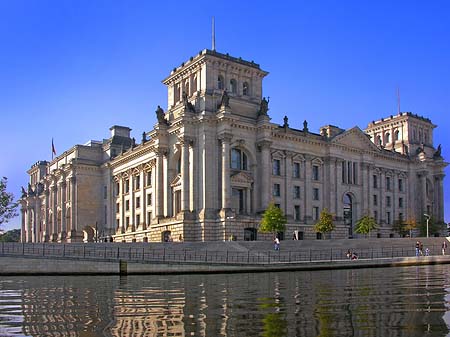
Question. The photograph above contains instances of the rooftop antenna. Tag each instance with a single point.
(213, 35)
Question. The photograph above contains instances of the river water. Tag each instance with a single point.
(407, 301)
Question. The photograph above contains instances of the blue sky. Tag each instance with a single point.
(71, 69)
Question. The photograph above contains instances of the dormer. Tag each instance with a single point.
(202, 80)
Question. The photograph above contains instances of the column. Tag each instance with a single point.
(423, 204)
(265, 182)
(122, 206)
(185, 207)
(37, 220)
(159, 184)
(54, 192)
(308, 189)
(226, 181)
(73, 204)
(23, 237)
(143, 197)
(288, 187)
(63, 211)
(29, 219)
(131, 199)
(45, 220)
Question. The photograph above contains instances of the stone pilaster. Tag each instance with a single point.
(185, 205)
(288, 186)
(159, 184)
(266, 169)
(55, 225)
(226, 180)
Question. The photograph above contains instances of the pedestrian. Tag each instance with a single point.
(427, 251)
(276, 242)
(417, 248)
(421, 248)
(444, 247)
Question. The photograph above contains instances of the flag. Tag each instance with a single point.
(53, 149)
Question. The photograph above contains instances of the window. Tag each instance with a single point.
(149, 217)
(375, 181)
(117, 189)
(400, 202)
(344, 175)
(117, 207)
(105, 192)
(355, 176)
(276, 167)
(238, 159)
(375, 216)
(127, 186)
(245, 89)
(315, 213)
(127, 221)
(296, 192)
(397, 135)
(138, 202)
(137, 183)
(315, 172)
(233, 86)
(375, 200)
(118, 223)
(400, 217)
(276, 190)
(387, 137)
(220, 82)
(239, 203)
(315, 194)
(149, 199)
(138, 219)
(388, 183)
(296, 170)
(127, 205)
(297, 212)
(278, 205)
(149, 178)
(388, 218)
(400, 185)
(388, 201)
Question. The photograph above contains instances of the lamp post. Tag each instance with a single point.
(428, 220)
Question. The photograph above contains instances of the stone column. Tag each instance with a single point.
(266, 169)
(308, 189)
(185, 207)
(159, 184)
(54, 192)
(122, 206)
(63, 233)
(143, 196)
(439, 194)
(423, 192)
(45, 234)
(226, 180)
(73, 205)
(382, 197)
(131, 199)
(37, 220)
(288, 187)
(28, 224)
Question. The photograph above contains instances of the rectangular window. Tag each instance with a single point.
(276, 167)
(315, 194)
(375, 216)
(355, 174)
(105, 192)
(400, 185)
(138, 220)
(149, 217)
(118, 208)
(315, 172)
(388, 183)
(278, 205)
(297, 212)
(149, 178)
(296, 192)
(349, 172)
(127, 185)
(149, 199)
(315, 213)
(138, 202)
(127, 221)
(400, 202)
(296, 170)
(388, 218)
(344, 174)
(375, 181)
(127, 205)
(276, 190)
(388, 201)
(117, 223)
(375, 200)
(137, 183)
(400, 217)
(117, 189)
(235, 159)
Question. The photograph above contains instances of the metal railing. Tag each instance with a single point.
(168, 254)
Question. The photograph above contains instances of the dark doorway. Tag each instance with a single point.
(348, 214)
(250, 234)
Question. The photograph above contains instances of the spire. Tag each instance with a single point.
(213, 35)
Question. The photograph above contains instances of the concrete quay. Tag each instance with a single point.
(332, 256)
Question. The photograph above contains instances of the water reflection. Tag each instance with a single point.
(410, 301)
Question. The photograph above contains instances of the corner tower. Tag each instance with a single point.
(198, 85)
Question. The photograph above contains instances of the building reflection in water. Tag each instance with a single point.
(387, 302)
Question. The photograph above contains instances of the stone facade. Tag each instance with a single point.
(214, 161)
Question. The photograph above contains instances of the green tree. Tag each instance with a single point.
(7, 205)
(365, 225)
(273, 220)
(11, 236)
(434, 226)
(404, 227)
(325, 223)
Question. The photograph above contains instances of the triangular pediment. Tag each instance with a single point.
(355, 138)
(176, 182)
(241, 178)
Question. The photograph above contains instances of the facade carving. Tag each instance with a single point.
(214, 161)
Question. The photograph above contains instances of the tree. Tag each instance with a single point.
(434, 226)
(11, 236)
(7, 205)
(404, 227)
(365, 225)
(273, 220)
(325, 223)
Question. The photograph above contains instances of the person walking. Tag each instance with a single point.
(417, 248)
(276, 242)
(444, 247)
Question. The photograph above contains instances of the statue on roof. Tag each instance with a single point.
(187, 105)
(264, 106)
(305, 126)
(24, 193)
(437, 154)
(224, 100)
(160, 115)
(285, 120)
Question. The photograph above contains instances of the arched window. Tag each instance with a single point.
(186, 88)
(387, 137)
(194, 83)
(245, 89)
(397, 135)
(238, 159)
(233, 86)
(220, 82)
(378, 140)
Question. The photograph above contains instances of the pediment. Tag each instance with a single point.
(355, 138)
(176, 182)
(241, 178)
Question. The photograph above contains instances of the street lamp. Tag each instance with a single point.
(428, 220)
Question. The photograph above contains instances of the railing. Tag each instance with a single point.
(168, 254)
